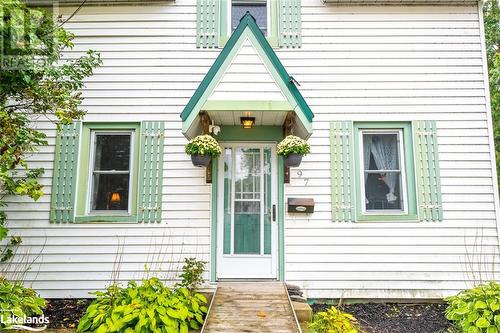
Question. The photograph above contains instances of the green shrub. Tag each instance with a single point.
(18, 301)
(293, 145)
(334, 320)
(192, 274)
(476, 310)
(148, 307)
(203, 145)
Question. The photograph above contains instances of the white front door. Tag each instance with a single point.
(247, 212)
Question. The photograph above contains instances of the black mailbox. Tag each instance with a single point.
(300, 205)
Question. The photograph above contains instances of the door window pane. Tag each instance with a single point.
(247, 227)
(258, 9)
(382, 173)
(111, 171)
(110, 192)
(228, 178)
(267, 201)
(112, 152)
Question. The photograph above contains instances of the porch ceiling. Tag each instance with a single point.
(262, 118)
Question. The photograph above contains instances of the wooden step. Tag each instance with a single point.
(245, 307)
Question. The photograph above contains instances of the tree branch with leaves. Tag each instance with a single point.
(36, 83)
(491, 14)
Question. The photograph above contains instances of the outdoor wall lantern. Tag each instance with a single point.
(247, 122)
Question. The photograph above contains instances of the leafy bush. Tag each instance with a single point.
(203, 145)
(476, 310)
(293, 145)
(334, 320)
(18, 301)
(192, 274)
(149, 307)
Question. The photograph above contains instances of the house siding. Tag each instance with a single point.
(359, 63)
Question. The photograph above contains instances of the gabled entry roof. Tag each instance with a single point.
(278, 95)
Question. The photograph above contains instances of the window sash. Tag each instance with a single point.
(93, 172)
(258, 2)
(402, 178)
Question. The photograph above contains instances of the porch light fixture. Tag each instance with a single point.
(247, 122)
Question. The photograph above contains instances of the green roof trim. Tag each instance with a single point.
(246, 21)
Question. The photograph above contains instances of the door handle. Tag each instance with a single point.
(274, 213)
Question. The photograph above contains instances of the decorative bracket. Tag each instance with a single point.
(288, 129)
(205, 123)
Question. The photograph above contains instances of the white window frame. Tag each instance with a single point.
(90, 185)
(230, 17)
(402, 171)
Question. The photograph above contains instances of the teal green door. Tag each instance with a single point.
(247, 212)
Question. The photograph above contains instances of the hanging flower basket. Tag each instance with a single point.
(201, 160)
(202, 149)
(293, 148)
(293, 160)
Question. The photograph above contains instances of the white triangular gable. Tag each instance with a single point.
(247, 77)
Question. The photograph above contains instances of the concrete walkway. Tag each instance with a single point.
(240, 307)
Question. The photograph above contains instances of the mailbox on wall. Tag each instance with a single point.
(300, 205)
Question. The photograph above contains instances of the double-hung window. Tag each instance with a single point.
(385, 176)
(259, 9)
(108, 172)
(108, 178)
(279, 20)
(111, 172)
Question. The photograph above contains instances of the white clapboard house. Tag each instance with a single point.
(397, 199)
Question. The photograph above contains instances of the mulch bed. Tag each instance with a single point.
(373, 317)
(396, 317)
(65, 313)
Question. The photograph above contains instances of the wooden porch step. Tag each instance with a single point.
(245, 307)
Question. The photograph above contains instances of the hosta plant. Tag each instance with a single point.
(476, 310)
(293, 145)
(334, 320)
(203, 145)
(148, 307)
(18, 301)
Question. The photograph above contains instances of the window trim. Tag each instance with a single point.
(407, 157)
(402, 171)
(225, 29)
(85, 168)
(91, 170)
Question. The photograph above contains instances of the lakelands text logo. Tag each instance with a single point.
(25, 43)
(9, 321)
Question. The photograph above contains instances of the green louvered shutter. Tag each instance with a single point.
(427, 171)
(207, 23)
(342, 169)
(150, 171)
(290, 23)
(62, 205)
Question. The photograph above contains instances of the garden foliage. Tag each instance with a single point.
(150, 306)
(192, 274)
(18, 301)
(144, 308)
(491, 13)
(334, 320)
(476, 310)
